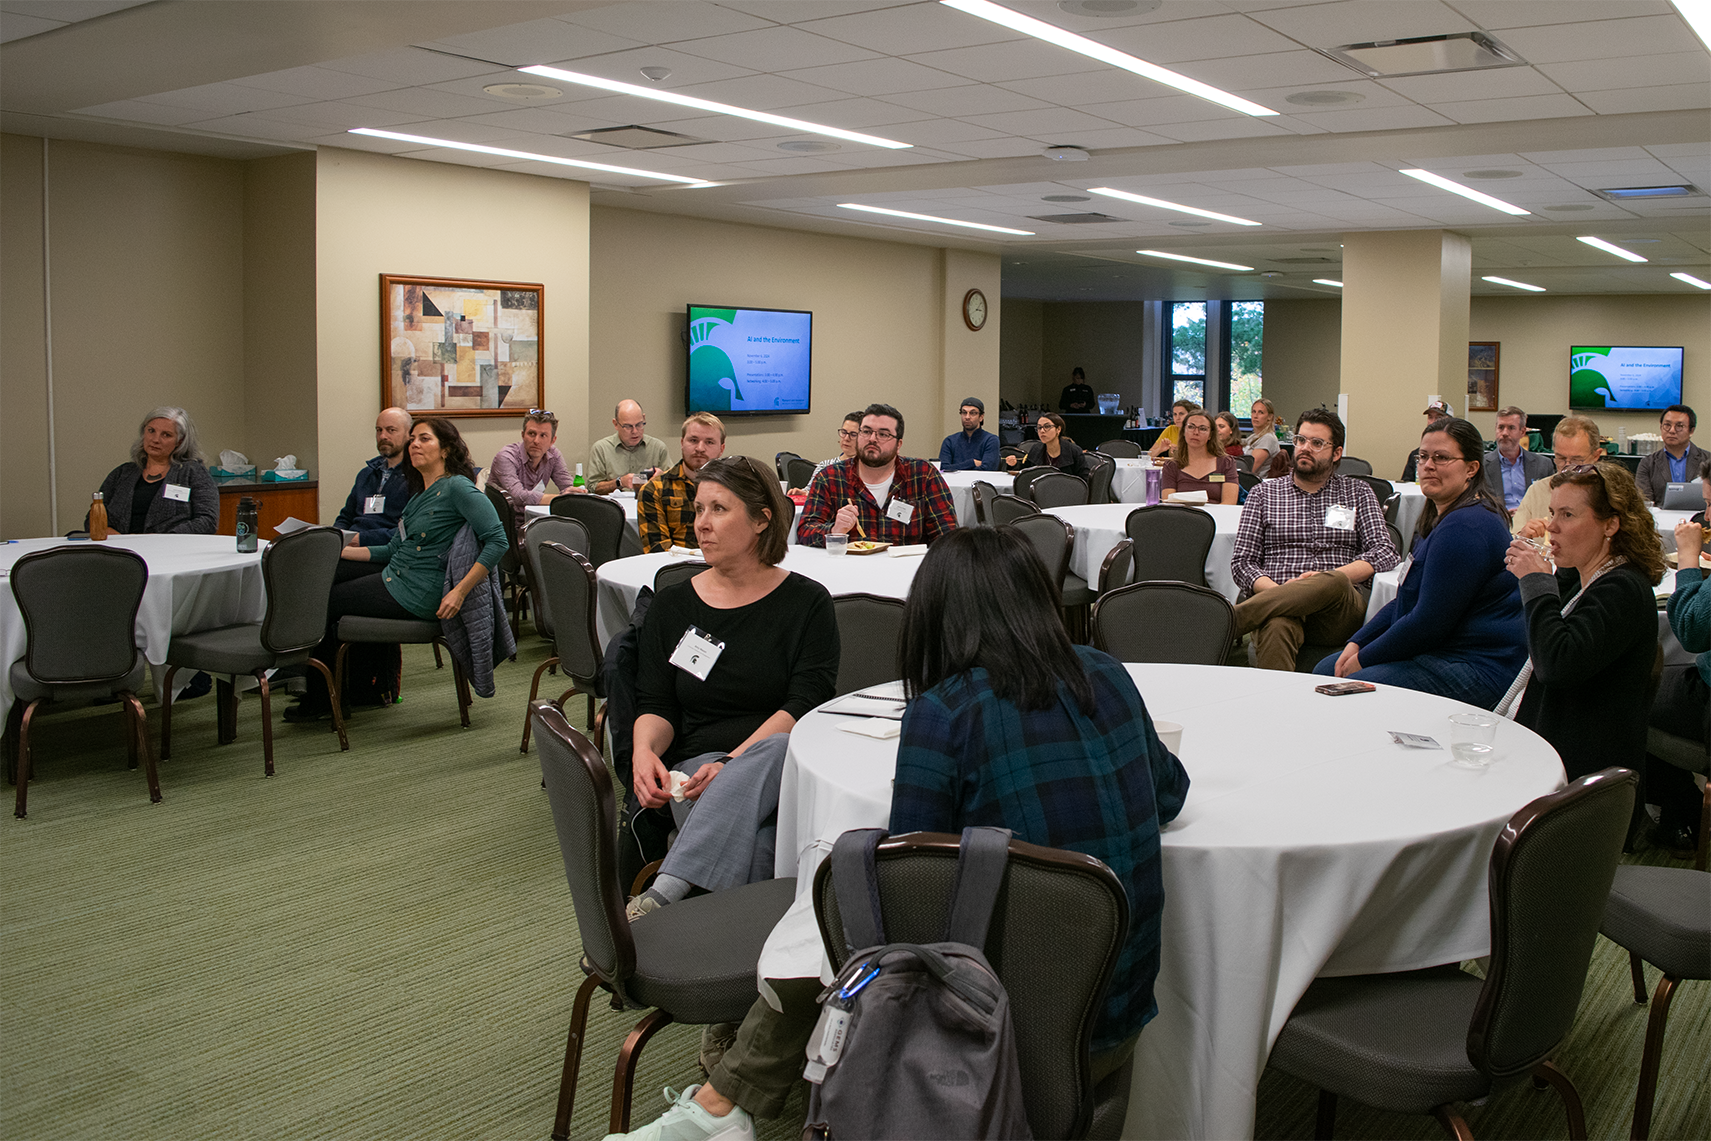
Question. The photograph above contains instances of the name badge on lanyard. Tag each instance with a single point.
(374, 505)
(900, 511)
(176, 491)
(696, 653)
(1340, 518)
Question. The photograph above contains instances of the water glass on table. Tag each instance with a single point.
(1471, 737)
(837, 544)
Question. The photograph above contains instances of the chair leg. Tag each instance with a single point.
(336, 688)
(226, 710)
(140, 725)
(1325, 1123)
(14, 718)
(1454, 1124)
(534, 692)
(266, 723)
(166, 716)
(463, 699)
(439, 663)
(1639, 973)
(19, 807)
(573, 1058)
(1570, 1098)
(624, 1077)
(338, 715)
(1652, 1058)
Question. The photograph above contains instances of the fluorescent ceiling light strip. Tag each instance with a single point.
(1163, 205)
(1327, 281)
(1196, 261)
(1092, 49)
(931, 218)
(1697, 13)
(504, 152)
(1469, 192)
(1600, 243)
(1691, 280)
(717, 108)
(1514, 284)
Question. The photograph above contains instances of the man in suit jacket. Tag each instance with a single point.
(1513, 468)
(1678, 461)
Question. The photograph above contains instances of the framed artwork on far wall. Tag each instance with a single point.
(460, 348)
(1482, 376)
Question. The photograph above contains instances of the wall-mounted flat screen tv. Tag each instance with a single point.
(1624, 378)
(749, 362)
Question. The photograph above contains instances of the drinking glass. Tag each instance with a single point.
(837, 544)
(1471, 735)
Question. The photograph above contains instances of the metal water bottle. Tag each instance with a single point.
(247, 524)
(97, 519)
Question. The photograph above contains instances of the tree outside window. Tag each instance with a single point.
(1247, 349)
(1188, 351)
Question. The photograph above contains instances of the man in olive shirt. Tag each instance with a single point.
(626, 459)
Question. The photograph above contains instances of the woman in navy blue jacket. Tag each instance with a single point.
(1455, 627)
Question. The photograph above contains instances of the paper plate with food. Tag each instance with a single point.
(867, 547)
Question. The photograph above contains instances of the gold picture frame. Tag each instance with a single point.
(461, 348)
(1482, 359)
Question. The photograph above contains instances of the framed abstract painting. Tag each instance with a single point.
(460, 348)
(1482, 376)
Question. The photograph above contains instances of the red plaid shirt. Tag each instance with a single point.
(914, 482)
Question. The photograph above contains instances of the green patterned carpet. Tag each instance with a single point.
(379, 943)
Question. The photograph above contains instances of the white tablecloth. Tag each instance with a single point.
(627, 500)
(962, 484)
(1099, 527)
(1327, 850)
(1408, 511)
(1129, 481)
(196, 582)
(622, 579)
(1666, 521)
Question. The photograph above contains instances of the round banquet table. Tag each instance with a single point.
(962, 484)
(1408, 510)
(1329, 850)
(889, 577)
(196, 582)
(1100, 526)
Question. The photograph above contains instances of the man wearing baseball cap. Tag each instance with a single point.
(973, 448)
(1436, 410)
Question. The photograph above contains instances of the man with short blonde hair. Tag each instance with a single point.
(1576, 441)
(665, 506)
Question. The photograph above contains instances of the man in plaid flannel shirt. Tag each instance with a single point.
(665, 505)
(1306, 547)
(892, 499)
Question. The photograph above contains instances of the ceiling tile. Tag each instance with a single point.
(1464, 86)
(536, 41)
(665, 21)
(1006, 147)
(1667, 151)
(877, 77)
(1276, 69)
(226, 98)
(428, 102)
(1362, 21)
(1501, 14)
(341, 115)
(1600, 175)
(1176, 10)
(404, 66)
(1212, 37)
(799, 11)
(922, 27)
(1108, 85)
(1015, 59)
(254, 126)
(537, 120)
(792, 166)
(1600, 39)
(1231, 127)
(860, 114)
(687, 71)
(1277, 98)
(968, 99)
(1615, 74)
(1050, 121)
(17, 26)
(1512, 110)
(318, 83)
(1680, 97)
(1118, 137)
(769, 49)
(765, 93)
(1169, 109)
(1374, 119)
(137, 111)
(935, 132)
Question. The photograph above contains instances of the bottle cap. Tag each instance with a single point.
(97, 495)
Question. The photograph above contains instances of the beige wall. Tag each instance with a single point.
(1302, 362)
(1103, 337)
(1021, 350)
(375, 214)
(968, 357)
(23, 349)
(279, 313)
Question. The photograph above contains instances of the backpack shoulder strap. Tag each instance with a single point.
(980, 873)
(857, 885)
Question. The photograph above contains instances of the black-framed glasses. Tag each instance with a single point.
(1438, 459)
(881, 434)
(637, 427)
(847, 434)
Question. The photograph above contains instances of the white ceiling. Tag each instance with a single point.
(1613, 93)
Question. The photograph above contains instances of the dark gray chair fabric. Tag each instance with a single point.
(542, 530)
(869, 629)
(1057, 489)
(79, 606)
(984, 494)
(1170, 543)
(1104, 469)
(1351, 465)
(781, 464)
(1054, 540)
(1114, 571)
(513, 566)
(799, 472)
(1004, 508)
(1247, 480)
(1244, 463)
(1165, 622)
(693, 962)
(1422, 1041)
(1056, 985)
(604, 519)
(1022, 487)
(356, 628)
(568, 581)
(673, 573)
(297, 572)
(1122, 449)
(1395, 537)
(1382, 490)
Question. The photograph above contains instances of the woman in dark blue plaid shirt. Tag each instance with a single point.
(1009, 724)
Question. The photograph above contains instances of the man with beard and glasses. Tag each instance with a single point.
(377, 498)
(881, 496)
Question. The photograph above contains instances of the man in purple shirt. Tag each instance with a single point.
(524, 469)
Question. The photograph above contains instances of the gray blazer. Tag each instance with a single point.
(200, 516)
(1533, 467)
(1653, 473)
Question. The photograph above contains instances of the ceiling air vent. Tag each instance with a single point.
(1629, 193)
(1425, 55)
(637, 138)
(1074, 219)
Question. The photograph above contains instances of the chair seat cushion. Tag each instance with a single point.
(1682, 752)
(1076, 592)
(227, 650)
(696, 957)
(27, 688)
(356, 628)
(1396, 1042)
(1662, 915)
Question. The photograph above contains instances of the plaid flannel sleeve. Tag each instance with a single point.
(661, 519)
(933, 496)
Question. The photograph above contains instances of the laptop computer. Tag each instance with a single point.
(1688, 496)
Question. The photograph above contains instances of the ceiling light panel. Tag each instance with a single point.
(1514, 284)
(1467, 192)
(1327, 281)
(1601, 244)
(933, 218)
(1196, 261)
(1691, 280)
(527, 156)
(1161, 204)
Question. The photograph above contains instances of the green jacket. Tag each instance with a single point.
(415, 572)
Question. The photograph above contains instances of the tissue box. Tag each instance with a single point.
(276, 476)
(243, 470)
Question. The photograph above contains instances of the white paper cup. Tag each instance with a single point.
(1171, 734)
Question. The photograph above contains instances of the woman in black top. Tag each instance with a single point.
(722, 716)
(1055, 448)
(165, 488)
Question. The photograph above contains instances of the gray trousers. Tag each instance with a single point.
(726, 838)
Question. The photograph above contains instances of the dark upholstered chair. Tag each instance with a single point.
(1099, 477)
(1122, 449)
(1056, 489)
(79, 606)
(1425, 1041)
(513, 568)
(542, 530)
(1007, 508)
(869, 628)
(567, 581)
(799, 472)
(781, 464)
(356, 629)
(1396, 539)
(1247, 480)
(1054, 540)
(604, 519)
(673, 573)
(1171, 543)
(1021, 487)
(1351, 465)
(1114, 571)
(1056, 985)
(693, 962)
(297, 572)
(984, 494)
(1165, 622)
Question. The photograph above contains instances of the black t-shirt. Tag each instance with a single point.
(141, 500)
(781, 653)
(1077, 398)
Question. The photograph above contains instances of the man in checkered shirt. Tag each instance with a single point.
(877, 493)
(665, 504)
(1307, 548)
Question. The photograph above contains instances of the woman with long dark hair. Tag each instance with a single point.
(1455, 626)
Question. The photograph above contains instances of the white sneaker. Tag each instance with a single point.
(687, 1121)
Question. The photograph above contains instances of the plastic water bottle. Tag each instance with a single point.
(247, 524)
(97, 519)
(1155, 483)
(1622, 438)
(578, 481)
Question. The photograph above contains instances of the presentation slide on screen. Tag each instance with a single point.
(748, 360)
(1624, 376)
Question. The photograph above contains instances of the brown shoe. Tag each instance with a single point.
(715, 1040)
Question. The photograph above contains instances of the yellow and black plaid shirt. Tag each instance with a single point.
(665, 511)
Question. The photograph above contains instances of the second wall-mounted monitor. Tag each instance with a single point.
(749, 362)
(1624, 378)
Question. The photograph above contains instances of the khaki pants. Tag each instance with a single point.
(1323, 608)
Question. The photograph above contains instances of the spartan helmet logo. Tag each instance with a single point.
(712, 377)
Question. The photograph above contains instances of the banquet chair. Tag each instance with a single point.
(79, 606)
(1351, 465)
(693, 962)
(1170, 542)
(513, 568)
(984, 494)
(1122, 449)
(1054, 540)
(297, 573)
(356, 629)
(1114, 571)
(1395, 537)
(673, 573)
(567, 582)
(1247, 480)
(869, 629)
(1383, 491)
(1021, 486)
(1056, 986)
(781, 463)
(604, 519)
(1099, 478)
(1425, 1041)
(1005, 451)
(1006, 508)
(1165, 622)
(1056, 489)
(541, 531)
(799, 472)
(1244, 462)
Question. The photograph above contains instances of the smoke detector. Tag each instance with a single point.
(1066, 154)
(656, 73)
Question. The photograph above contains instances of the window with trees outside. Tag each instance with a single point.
(1188, 351)
(1247, 347)
(1238, 375)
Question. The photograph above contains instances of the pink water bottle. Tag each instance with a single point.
(1155, 481)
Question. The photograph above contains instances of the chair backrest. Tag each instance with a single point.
(1005, 508)
(1026, 477)
(984, 493)
(1247, 480)
(1007, 450)
(568, 581)
(1165, 622)
(604, 519)
(1057, 489)
(869, 629)
(1056, 986)
(1395, 537)
(1550, 875)
(1381, 489)
(1099, 477)
(1114, 571)
(781, 461)
(297, 572)
(673, 573)
(585, 815)
(80, 612)
(1052, 539)
(507, 509)
(1244, 462)
(1170, 542)
(1352, 465)
(1122, 449)
(549, 529)
(799, 472)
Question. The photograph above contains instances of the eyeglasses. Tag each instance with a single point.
(636, 427)
(1311, 444)
(1438, 459)
(846, 434)
(881, 434)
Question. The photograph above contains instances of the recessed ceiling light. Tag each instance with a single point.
(1163, 205)
(1109, 9)
(808, 146)
(1479, 174)
(1065, 198)
(1624, 193)
(1571, 208)
(1068, 153)
(1327, 281)
(1468, 192)
(1196, 261)
(1052, 34)
(1600, 243)
(1514, 284)
(1691, 280)
(931, 218)
(523, 92)
(1325, 98)
(716, 108)
(505, 152)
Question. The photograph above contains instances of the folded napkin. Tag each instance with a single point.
(882, 730)
(908, 552)
(1188, 497)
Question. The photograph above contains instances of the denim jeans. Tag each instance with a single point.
(1456, 678)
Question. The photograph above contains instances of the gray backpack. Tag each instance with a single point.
(915, 1041)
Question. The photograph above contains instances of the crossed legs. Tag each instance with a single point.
(1322, 608)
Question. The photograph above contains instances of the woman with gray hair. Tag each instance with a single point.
(165, 488)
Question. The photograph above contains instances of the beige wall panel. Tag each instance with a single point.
(1021, 349)
(279, 311)
(971, 358)
(23, 346)
(1303, 355)
(1104, 338)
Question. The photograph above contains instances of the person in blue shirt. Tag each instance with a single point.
(1511, 469)
(973, 448)
(1679, 458)
(1456, 626)
(377, 498)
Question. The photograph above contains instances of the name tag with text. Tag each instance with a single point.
(900, 511)
(374, 505)
(696, 653)
(176, 491)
